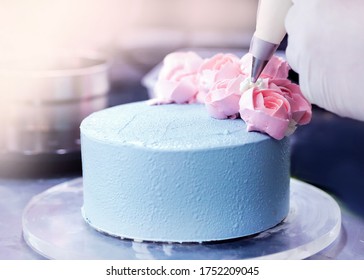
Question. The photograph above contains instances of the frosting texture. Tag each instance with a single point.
(273, 105)
(177, 81)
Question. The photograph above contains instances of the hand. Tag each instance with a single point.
(326, 48)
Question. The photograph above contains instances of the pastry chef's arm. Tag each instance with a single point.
(326, 48)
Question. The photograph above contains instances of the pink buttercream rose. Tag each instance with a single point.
(266, 110)
(262, 109)
(222, 101)
(219, 67)
(300, 108)
(276, 69)
(177, 81)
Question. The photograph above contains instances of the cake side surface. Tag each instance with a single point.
(172, 173)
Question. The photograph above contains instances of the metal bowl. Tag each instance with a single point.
(43, 99)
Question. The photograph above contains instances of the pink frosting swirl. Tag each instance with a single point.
(222, 101)
(276, 69)
(300, 108)
(265, 110)
(219, 67)
(177, 81)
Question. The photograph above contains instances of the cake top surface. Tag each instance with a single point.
(169, 127)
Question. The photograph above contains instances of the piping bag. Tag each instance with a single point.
(268, 34)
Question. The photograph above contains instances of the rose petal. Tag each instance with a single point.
(276, 68)
(222, 101)
(265, 111)
(217, 68)
(172, 91)
(259, 121)
(177, 80)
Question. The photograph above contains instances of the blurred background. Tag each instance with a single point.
(138, 31)
(62, 60)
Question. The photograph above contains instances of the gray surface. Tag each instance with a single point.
(15, 194)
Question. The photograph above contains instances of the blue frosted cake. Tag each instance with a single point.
(172, 173)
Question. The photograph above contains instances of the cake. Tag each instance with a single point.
(191, 169)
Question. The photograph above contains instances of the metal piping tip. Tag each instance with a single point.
(262, 51)
(257, 68)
